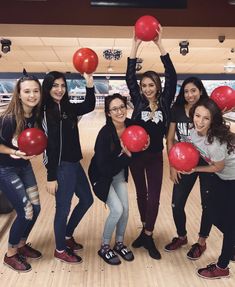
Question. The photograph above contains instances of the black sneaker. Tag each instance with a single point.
(108, 255)
(123, 251)
(139, 241)
(150, 246)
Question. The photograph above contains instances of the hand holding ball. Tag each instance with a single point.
(183, 156)
(146, 28)
(32, 141)
(224, 97)
(135, 138)
(85, 60)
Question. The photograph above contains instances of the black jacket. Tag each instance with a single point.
(167, 96)
(60, 125)
(107, 160)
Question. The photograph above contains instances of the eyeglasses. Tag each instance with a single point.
(116, 109)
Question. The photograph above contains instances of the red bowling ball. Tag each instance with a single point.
(183, 156)
(224, 97)
(32, 141)
(85, 60)
(145, 28)
(135, 138)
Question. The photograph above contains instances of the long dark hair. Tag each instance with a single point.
(15, 107)
(107, 102)
(47, 84)
(219, 128)
(180, 100)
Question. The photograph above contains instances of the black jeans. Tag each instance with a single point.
(180, 195)
(147, 170)
(222, 212)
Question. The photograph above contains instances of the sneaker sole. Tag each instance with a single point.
(173, 250)
(212, 278)
(21, 271)
(74, 263)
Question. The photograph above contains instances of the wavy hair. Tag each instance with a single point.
(15, 108)
(219, 128)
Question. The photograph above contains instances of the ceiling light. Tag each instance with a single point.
(229, 66)
(6, 45)
(114, 54)
(184, 47)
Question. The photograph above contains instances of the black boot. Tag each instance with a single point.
(150, 246)
(139, 242)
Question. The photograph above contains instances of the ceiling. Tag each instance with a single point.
(40, 47)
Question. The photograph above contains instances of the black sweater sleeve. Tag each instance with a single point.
(88, 105)
(109, 163)
(170, 81)
(132, 82)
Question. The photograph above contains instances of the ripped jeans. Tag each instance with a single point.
(20, 187)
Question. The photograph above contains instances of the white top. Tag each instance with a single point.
(215, 152)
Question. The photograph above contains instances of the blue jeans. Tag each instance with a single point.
(20, 187)
(117, 202)
(71, 180)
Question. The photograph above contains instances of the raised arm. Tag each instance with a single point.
(89, 103)
(158, 42)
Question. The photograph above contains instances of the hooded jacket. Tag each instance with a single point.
(60, 125)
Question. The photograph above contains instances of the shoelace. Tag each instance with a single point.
(21, 258)
(211, 267)
(69, 252)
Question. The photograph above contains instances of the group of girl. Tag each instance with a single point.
(193, 117)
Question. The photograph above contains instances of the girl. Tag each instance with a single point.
(108, 174)
(190, 92)
(65, 175)
(212, 137)
(151, 110)
(17, 179)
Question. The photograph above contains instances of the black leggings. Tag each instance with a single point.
(222, 211)
(180, 195)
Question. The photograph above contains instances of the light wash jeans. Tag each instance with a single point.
(117, 202)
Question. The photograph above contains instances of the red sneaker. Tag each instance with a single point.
(17, 263)
(196, 251)
(175, 244)
(73, 245)
(29, 252)
(212, 271)
(68, 256)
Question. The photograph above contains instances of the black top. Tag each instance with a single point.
(60, 123)
(178, 116)
(7, 138)
(107, 160)
(157, 125)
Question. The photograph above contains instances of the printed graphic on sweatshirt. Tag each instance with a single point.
(155, 117)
